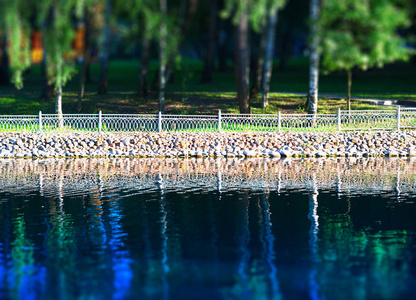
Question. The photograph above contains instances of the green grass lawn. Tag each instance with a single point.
(186, 95)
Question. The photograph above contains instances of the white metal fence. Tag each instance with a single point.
(342, 121)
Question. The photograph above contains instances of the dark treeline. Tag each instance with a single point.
(245, 36)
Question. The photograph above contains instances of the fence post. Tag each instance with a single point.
(339, 119)
(159, 122)
(279, 122)
(398, 117)
(100, 122)
(219, 120)
(40, 121)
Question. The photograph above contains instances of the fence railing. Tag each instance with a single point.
(342, 121)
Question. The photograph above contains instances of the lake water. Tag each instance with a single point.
(208, 229)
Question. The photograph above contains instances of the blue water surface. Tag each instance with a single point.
(113, 242)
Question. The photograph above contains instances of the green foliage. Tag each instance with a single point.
(258, 10)
(144, 15)
(56, 19)
(361, 33)
(146, 18)
(16, 27)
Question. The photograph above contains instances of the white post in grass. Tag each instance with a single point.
(339, 119)
(398, 117)
(40, 121)
(159, 122)
(279, 122)
(219, 120)
(100, 122)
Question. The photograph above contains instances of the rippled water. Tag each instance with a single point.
(208, 229)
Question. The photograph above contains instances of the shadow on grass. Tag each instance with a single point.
(179, 103)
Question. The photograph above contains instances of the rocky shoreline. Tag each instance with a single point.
(228, 145)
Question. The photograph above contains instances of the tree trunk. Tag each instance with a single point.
(86, 60)
(162, 54)
(48, 90)
(142, 89)
(186, 16)
(314, 59)
(102, 84)
(242, 61)
(209, 56)
(268, 57)
(5, 66)
(58, 105)
(349, 83)
(258, 68)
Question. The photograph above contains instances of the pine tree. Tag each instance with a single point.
(92, 17)
(262, 16)
(270, 30)
(58, 35)
(362, 34)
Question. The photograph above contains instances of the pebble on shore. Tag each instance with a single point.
(170, 144)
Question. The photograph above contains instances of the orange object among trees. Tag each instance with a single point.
(37, 49)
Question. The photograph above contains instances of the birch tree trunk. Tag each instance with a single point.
(58, 105)
(314, 59)
(268, 57)
(242, 63)
(162, 54)
(349, 83)
(102, 84)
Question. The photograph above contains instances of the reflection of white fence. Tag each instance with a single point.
(391, 178)
(343, 120)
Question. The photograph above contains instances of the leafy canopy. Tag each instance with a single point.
(361, 33)
(16, 27)
(55, 17)
(258, 10)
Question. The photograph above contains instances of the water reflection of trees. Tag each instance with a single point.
(393, 177)
(156, 240)
(362, 262)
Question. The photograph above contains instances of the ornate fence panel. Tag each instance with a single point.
(245, 122)
(80, 122)
(129, 122)
(344, 121)
(368, 120)
(408, 118)
(302, 122)
(203, 123)
(19, 123)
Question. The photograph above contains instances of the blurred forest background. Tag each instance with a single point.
(198, 56)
